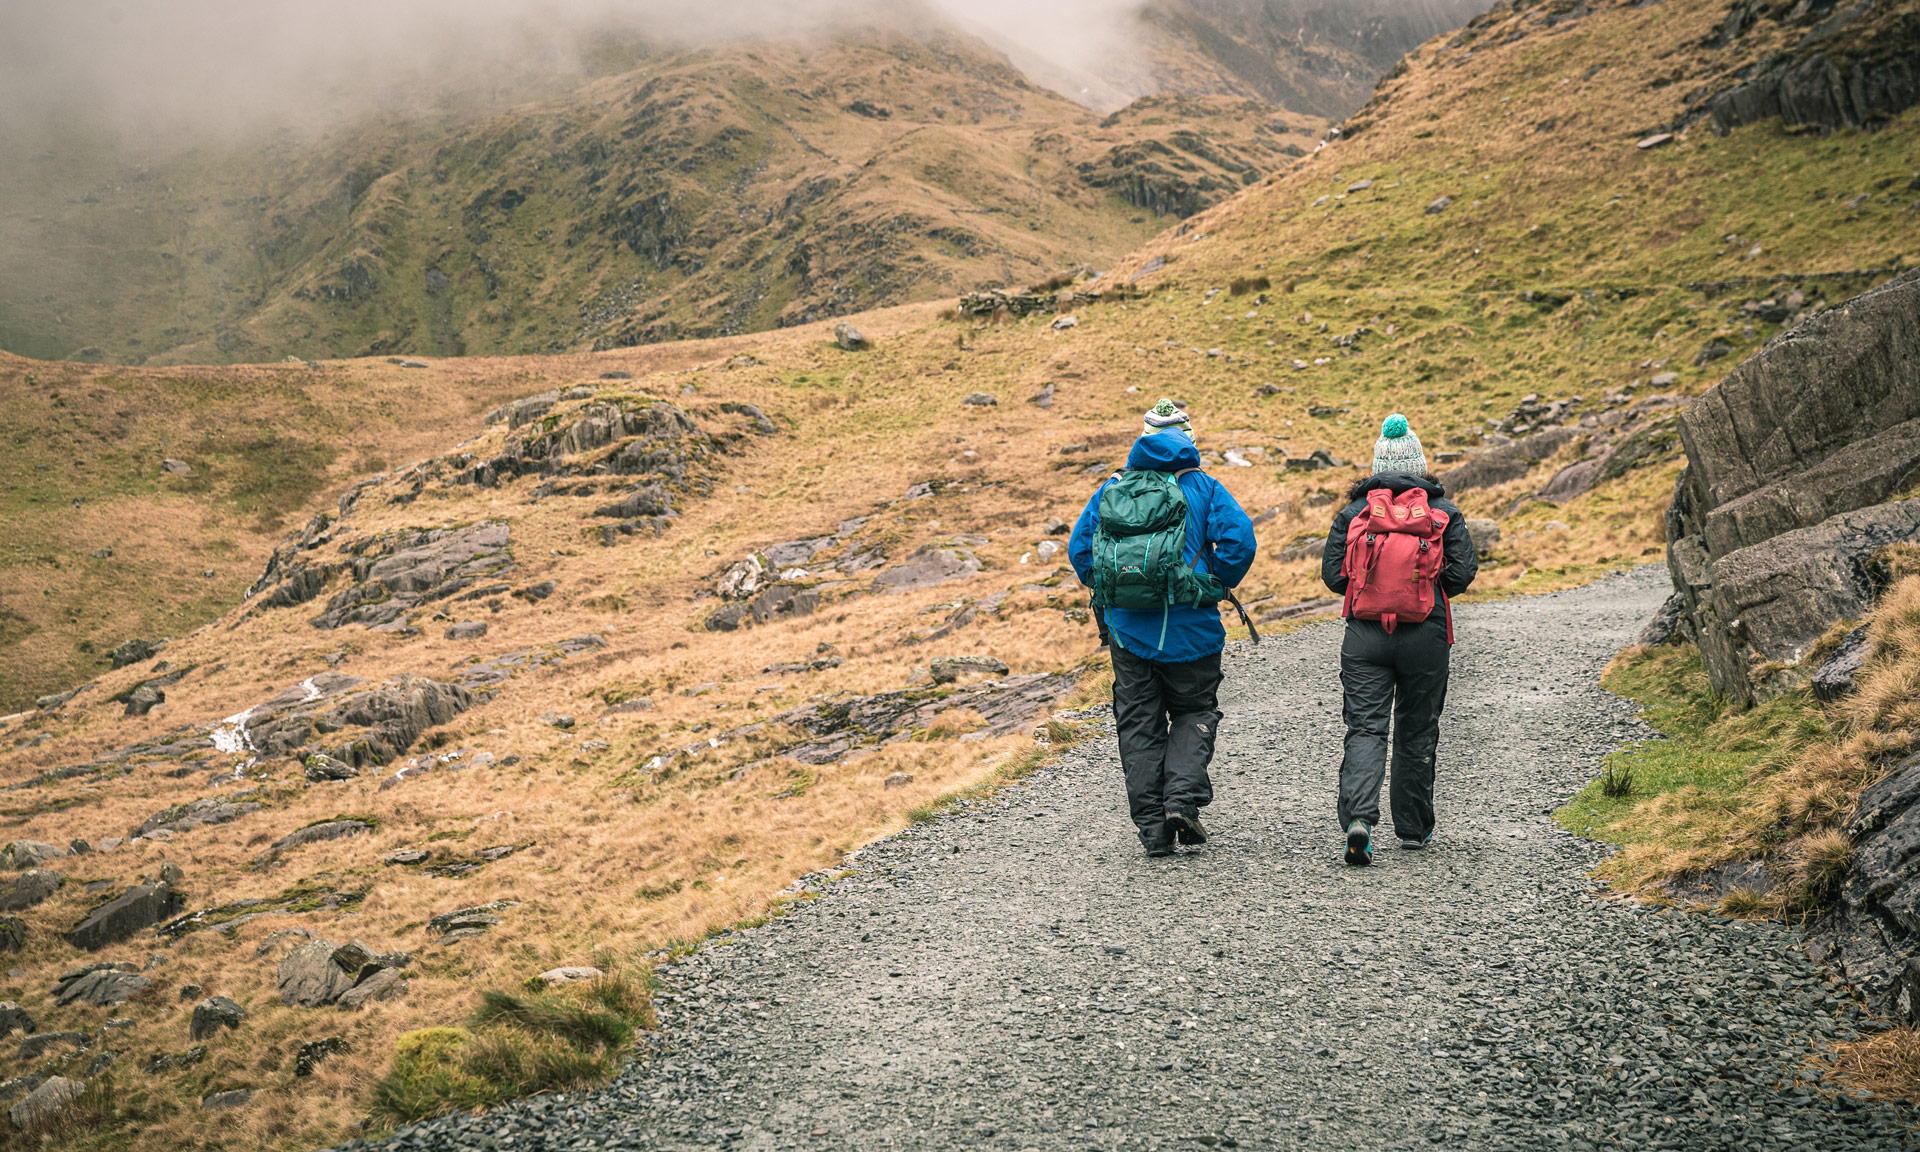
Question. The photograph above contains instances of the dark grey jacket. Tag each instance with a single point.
(1461, 566)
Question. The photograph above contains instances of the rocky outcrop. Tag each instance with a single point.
(833, 728)
(321, 972)
(100, 986)
(136, 909)
(308, 977)
(1872, 931)
(397, 572)
(1855, 65)
(1777, 518)
(1772, 600)
(194, 814)
(930, 565)
(315, 833)
(354, 723)
(29, 889)
(1506, 463)
(484, 678)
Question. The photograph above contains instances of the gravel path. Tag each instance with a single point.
(1020, 976)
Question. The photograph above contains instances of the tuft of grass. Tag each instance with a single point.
(1744, 902)
(1813, 869)
(1887, 1065)
(1616, 783)
(514, 1046)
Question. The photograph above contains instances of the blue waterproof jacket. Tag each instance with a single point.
(1219, 540)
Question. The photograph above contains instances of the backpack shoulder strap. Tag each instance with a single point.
(1205, 554)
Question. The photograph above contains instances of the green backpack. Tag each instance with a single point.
(1140, 546)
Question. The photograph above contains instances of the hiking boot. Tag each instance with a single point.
(1186, 827)
(1360, 843)
(1411, 844)
(1157, 840)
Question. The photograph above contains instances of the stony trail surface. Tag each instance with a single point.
(1017, 975)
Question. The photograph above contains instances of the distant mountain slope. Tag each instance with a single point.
(697, 193)
(1313, 56)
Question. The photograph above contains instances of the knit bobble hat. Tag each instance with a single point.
(1398, 449)
(1167, 417)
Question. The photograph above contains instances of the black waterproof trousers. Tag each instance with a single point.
(1402, 676)
(1167, 716)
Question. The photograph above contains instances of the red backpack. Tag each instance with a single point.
(1394, 557)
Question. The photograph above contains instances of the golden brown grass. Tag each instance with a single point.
(1886, 1065)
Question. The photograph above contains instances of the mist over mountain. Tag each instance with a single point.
(196, 65)
(219, 181)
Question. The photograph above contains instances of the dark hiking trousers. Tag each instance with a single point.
(1167, 716)
(1402, 677)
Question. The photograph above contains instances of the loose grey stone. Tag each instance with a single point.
(29, 854)
(213, 1014)
(177, 1061)
(29, 889)
(947, 669)
(314, 1051)
(238, 1097)
(34, 1047)
(316, 833)
(308, 977)
(467, 630)
(1485, 533)
(14, 1018)
(386, 984)
(321, 768)
(143, 700)
(45, 1101)
(103, 987)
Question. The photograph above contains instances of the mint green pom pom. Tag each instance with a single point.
(1394, 427)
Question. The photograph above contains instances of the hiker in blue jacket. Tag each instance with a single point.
(1166, 659)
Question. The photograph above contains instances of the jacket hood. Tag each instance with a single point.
(1163, 452)
(1396, 483)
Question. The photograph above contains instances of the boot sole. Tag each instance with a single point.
(1357, 853)
(1187, 831)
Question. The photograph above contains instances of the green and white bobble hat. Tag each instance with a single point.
(1398, 449)
(1167, 417)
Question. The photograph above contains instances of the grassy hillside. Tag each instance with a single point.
(1567, 263)
(681, 194)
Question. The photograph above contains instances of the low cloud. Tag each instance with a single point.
(165, 67)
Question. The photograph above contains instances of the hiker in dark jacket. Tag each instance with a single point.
(1166, 661)
(1402, 674)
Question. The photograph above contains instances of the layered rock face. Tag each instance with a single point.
(1792, 462)
(1795, 463)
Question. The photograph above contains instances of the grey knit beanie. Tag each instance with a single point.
(1166, 416)
(1398, 449)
